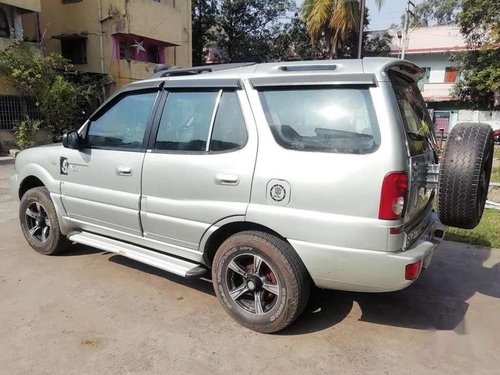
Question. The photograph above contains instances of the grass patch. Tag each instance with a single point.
(495, 174)
(496, 155)
(487, 233)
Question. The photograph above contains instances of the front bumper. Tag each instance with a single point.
(14, 186)
(367, 270)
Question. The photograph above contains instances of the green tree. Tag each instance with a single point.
(479, 77)
(374, 43)
(331, 22)
(60, 93)
(293, 42)
(479, 21)
(479, 66)
(438, 12)
(203, 22)
(244, 29)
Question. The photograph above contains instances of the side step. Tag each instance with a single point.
(164, 262)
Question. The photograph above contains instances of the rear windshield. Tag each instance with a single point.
(338, 120)
(414, 113)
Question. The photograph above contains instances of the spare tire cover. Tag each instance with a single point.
(464, 175)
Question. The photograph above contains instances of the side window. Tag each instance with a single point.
(337, 119)
(229, 132)
(122, 125)
(186, 120)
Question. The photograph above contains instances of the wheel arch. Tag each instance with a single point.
(226, 228)
(28, 183)
(34, 175)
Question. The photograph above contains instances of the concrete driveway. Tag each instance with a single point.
(95, 313)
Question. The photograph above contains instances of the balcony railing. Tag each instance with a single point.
(437, 91)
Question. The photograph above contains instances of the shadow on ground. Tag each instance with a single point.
(437, 301)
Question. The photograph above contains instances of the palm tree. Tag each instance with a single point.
(332, 20)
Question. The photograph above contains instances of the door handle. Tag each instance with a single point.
(226, 179)
(124, 171)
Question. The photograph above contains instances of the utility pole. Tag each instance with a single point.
(361, 27)
(406, 27)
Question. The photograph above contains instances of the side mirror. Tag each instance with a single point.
(72, 140)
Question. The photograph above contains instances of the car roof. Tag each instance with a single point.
(348, 70)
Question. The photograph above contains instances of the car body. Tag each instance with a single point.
(496, 136)
(170, 168)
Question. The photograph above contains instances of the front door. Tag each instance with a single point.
(101, 184)
(199, 170)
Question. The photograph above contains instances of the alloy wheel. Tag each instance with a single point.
(38, 222)
(253, 285)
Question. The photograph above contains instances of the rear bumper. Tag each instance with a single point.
(367, 270)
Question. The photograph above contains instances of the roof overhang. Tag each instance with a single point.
(71, 36)
(134, 37)
(432, 99)
(419, 51)
(25, 5)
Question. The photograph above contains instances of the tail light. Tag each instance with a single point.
(393, 195)
(413, 270)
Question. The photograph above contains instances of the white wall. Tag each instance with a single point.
(436, 61)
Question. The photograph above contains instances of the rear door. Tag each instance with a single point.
(200, 166)
(421, 144)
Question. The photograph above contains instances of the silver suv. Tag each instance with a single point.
(276, 177)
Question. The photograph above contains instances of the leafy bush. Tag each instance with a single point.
(60, 93)
(25, 133)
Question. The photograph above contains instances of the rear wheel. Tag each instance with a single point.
(260, 281)
(464, 175)
(39, 223)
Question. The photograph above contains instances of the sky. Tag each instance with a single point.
(390, 12)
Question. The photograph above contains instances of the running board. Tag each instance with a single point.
(164, 262)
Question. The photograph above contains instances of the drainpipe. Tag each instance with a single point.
(101, 32)
(101, 45)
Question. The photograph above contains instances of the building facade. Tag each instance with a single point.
(124, 39)
(13, 107)
(431, 48)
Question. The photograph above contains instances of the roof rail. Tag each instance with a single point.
(164, 71)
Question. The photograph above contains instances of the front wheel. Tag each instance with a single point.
(260, 281)
(39, 223)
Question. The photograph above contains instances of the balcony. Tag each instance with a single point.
(158, 21)
(433, 92)
(6, 42)
(126, 71)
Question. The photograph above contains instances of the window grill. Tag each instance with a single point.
(14, 109)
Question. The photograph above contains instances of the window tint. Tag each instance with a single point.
(414, 113)
(322, 119)
(229, 131)
(185, 121)
(123, 125)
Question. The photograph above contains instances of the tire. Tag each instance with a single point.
(37, 210)
(283, 289)
(464, 175)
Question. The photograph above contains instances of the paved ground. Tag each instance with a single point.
(94, 313)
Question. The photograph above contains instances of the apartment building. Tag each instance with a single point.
(13, 107)
(431, 48)
(124, 39)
